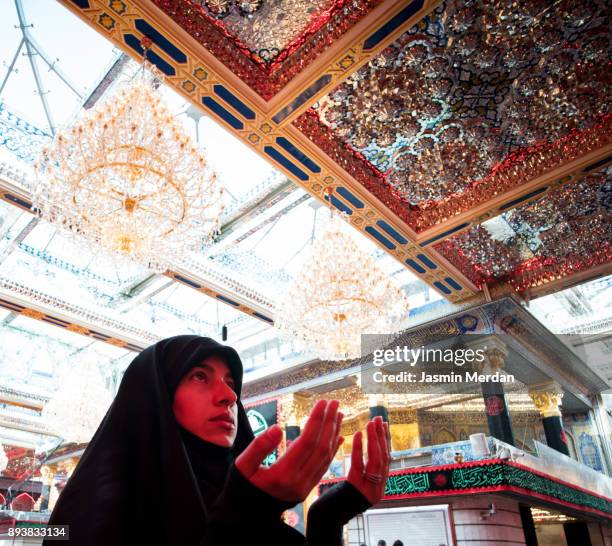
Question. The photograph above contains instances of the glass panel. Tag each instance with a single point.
(82, 67)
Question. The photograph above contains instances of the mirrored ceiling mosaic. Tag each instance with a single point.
(476, 99)
(266, 42)
(473, 101)
(567, 230)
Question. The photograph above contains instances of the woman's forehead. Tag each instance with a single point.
(215, 363)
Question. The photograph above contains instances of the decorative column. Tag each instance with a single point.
(291, 418)
(69, 466)
(53, 490)
(293, 409)
(495, 399)
(47, 476)
(378, 406)
(603, 428)
(547, 399)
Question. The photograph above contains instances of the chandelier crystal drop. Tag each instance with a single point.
(75, 411)
(339, 294)
(126, 177)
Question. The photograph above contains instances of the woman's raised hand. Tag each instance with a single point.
(370, 479)
(301, 467)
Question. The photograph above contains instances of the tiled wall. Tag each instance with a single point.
(584, 441)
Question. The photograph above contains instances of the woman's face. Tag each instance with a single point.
(205, 402)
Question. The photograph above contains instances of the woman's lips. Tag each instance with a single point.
(224, 422)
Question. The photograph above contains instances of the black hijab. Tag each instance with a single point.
(143, 479)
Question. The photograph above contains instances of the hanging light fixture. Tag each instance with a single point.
(339, 294)
(75, 411)
(126, 177)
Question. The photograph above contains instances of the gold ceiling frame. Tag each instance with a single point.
(37, 406)
(23, 307)
(568, 173)
(14, 195)
(556, 285)
(199, 76)
(219, 292)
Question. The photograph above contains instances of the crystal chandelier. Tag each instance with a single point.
(128, 179)
(339, 294)
(77, 408)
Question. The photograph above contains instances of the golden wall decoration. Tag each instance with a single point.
(405, 436)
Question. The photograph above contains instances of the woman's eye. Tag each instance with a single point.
(199, 376)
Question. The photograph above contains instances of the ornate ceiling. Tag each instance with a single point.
(564, 231)
(465, 90)
(265, 43)
(468, 139)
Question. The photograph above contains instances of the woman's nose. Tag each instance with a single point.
(226, 394)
